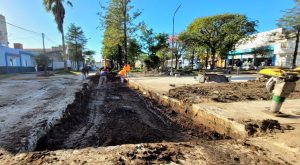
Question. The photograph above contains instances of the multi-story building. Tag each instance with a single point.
(279, 50)
(3, 32)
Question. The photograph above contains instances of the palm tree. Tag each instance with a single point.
(56, 7)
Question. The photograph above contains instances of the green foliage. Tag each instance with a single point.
(76, 41)
(117, 22)
(291, 18)
(42, 60)
(89, 52)
(56, 7)
(134, 51)
(160, 42)
(147, 38)
(220, 32)
(89, 56)
(152, 62)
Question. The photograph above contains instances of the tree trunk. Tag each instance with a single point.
(213, 53)
(64, 50)
(296, 49)
(206, 61)
(125, 31)
(225, 65)
(176, 61)
(193, 56)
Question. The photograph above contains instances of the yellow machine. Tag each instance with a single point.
(281, 84)
(277, 72)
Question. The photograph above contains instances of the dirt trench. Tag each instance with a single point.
(118, 125)
(115, 115)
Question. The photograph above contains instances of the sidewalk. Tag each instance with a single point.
(237, 119)
(162, 84)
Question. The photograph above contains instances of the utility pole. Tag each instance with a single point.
(173, 39)
(43, 36)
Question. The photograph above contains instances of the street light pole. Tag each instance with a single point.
(173, 39)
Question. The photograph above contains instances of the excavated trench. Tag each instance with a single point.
(115, 115)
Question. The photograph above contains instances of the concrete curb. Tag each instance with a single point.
(199, 114)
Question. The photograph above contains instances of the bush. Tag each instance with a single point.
(152, 62)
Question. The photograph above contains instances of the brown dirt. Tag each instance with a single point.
(225, 92)
(118, 115)
(119, 126)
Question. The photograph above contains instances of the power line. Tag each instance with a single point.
(48, 39)
(31, 31)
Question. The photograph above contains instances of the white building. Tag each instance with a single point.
(281, 50)
(3, 32)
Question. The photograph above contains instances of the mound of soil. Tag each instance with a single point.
(225, 92)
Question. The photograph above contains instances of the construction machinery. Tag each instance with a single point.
(281, 83)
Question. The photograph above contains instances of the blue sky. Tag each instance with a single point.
(157, 14)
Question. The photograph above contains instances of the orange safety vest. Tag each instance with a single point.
(123, 73)
(127, 67)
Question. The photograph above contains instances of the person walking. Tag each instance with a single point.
(122, 74)
(103, 77)
(126, 67)
(238, 66)
(83, 72)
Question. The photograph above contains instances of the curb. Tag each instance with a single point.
(197, 113)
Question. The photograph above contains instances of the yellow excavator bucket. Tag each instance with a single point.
(272, 72)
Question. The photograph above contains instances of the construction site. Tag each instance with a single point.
(67, 121)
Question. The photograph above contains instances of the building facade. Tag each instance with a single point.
(3, 31)
(55, 55)
(277, 52)
(16, 60)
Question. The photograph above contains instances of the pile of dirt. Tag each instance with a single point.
(151, 154)
(225, 92)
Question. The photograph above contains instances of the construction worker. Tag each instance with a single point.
(83, 72)
(103, 77)
(127, 69)
(122, 74)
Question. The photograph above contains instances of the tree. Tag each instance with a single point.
(220, 31)
(291, 23)
(178, 49)
(117, 22)
(43, 61)
(152, 61)
(147, 38)
(160, 42)
(89, 56)
(56, 7)
(164, 54)
(134, 51)
(76, 41)
(190, 46)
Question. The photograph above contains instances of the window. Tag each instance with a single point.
(11, 61)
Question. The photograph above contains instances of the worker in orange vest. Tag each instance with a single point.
(122, 74)
(127, 68)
